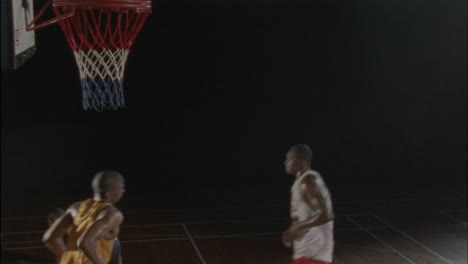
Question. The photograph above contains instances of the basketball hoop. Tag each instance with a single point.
(100, 34)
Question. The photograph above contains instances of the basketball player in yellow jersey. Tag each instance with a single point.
(91, 226)
(311, 232)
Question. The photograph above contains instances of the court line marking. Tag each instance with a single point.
(456, 210)
(410, 238)
(454, 218)
(231, 221)
(364, 247)
(287, 205)
(179, 237)
(154, 239)
(273, 205)
(215, 222)
(450, 189)
(22, 232)
(176, 235)
(396, 200)
(194, 245)
(165, 210)
(381, 241)
(190, 223)
(21, 248)
(249, 207)
(378, 249)
(165, 237)
(172, 224)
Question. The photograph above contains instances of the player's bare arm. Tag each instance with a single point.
(54, 236)
(320, 205)
(108, 220)
(113, 233)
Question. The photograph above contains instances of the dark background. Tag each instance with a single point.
(217, 91)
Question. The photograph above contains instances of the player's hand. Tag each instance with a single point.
(295, 232)
(286, 238)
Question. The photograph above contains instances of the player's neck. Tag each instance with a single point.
(98, 198)
(302, 171)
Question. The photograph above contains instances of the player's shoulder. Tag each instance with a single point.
(110, 211)
(111, 215)
(311, 177)
(73, 209)
(315, 173)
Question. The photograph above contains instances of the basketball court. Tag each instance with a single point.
(427, 226)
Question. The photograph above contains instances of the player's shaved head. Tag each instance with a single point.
(302, 152)
(104, 180)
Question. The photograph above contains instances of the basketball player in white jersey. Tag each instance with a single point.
(311, 232)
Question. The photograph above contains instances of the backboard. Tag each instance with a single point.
(18, 45)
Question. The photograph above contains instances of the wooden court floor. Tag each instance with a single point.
(423, 227)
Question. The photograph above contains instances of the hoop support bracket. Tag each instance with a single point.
(31, 25)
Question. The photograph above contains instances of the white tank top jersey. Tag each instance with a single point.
(318, 242)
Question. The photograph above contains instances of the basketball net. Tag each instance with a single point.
(100, 34)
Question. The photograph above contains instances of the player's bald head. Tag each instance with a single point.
(104, 180)
(302, 152)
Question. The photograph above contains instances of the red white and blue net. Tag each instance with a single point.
(101, 33)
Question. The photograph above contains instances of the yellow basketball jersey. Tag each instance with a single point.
(87, 214)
